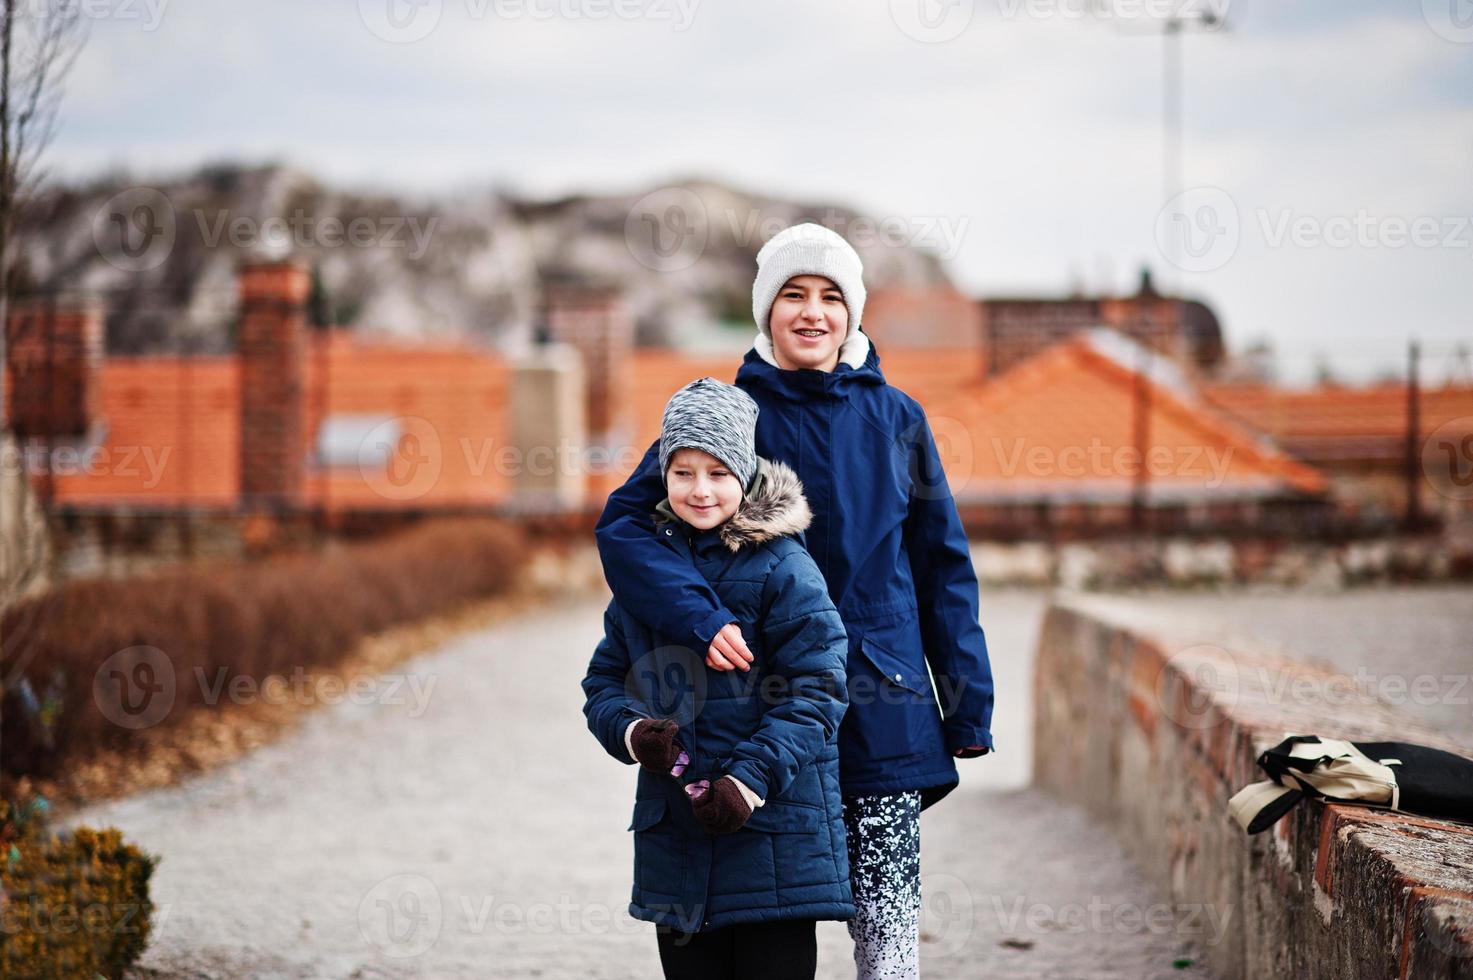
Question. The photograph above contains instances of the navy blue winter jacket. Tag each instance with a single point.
(774, 727)
(886, 536)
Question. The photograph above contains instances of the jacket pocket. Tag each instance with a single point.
(880, 651)
(890, 697)
(647, 813)
(661, 856)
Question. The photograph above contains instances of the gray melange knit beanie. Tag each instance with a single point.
(812, 250)
(716, 418)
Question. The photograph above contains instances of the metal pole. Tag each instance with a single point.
(186, 448)
(1141, 435)
(1413, 440)
(1171, 113)
(324, 393)
(49, 418)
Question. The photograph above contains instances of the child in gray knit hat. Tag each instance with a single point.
(739, 845)
(715, 418)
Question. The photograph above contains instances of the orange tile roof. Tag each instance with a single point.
(173, 429)
(1341, 423)
(919, 372)
(1060, 426)
(1030, 433)
(453, 403)
(1055, 425)
(172, 436)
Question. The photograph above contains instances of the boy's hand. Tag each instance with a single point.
(654, 747)
(971, 752)
(728, 650)
(718, 806)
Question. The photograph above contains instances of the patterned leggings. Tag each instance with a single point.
(885, 873)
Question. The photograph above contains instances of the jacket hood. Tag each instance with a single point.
(804, 384)
(773, 507)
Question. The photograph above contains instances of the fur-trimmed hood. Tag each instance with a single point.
(774, 507)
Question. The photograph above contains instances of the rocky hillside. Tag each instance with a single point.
(161, 256)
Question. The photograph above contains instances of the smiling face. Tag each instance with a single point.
(704, 492)
(809, 322)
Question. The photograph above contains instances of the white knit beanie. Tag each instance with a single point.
(807, 250)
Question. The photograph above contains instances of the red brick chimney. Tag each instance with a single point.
(54, 357)
(595, 321)
(271, 345)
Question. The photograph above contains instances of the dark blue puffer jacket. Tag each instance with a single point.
(775, 727)
(886, 536)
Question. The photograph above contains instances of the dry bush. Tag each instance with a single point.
(204, 623)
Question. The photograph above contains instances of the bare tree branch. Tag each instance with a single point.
(39, 43)
(57, 42)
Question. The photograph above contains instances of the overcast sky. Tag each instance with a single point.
(1328, 148)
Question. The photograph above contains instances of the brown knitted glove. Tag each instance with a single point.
(718, 806)
(654, 744)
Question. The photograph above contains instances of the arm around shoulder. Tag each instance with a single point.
(649, 579)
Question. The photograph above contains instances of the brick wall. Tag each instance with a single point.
(54, 358)
(1014, 330)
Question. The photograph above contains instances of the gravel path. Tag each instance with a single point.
(474, 829)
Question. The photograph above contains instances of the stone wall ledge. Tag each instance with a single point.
(1152, 724)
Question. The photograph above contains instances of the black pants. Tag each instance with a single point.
(782, 950)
